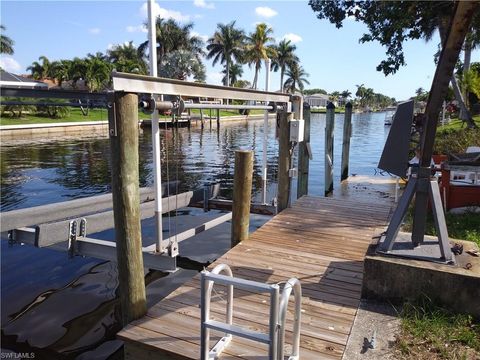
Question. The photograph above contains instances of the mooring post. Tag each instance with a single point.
(329, 125)
(242, 195)
(218, 118)
(284, 160)
(202, 120)
(347, 134)
(123, 115)
(304, 155)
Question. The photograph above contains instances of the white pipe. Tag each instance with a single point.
(265, 135)
(157, 173)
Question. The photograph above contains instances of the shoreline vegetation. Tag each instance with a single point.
(76, 115)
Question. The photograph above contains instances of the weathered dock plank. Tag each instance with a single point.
(320, 241)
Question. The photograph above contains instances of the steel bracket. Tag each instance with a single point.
(74, 232)
(112, 116)
(173, 248)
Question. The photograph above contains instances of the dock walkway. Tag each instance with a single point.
(320, 241)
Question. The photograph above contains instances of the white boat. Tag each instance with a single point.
(389, 115)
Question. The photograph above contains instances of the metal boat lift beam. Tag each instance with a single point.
(155, 85)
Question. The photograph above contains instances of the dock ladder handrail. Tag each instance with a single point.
(276, 334)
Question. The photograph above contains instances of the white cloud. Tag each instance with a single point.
(94, 31)
(203, 37)
(9, 64)
(164, 13)
(203, 4)
(137, 28)
(214, 78)
(294, 38)
(265, 11)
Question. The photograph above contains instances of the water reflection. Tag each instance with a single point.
(76, 299)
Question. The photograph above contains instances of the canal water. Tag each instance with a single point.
(67, 308)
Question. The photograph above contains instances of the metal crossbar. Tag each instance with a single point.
(275, 338)
(156, 85)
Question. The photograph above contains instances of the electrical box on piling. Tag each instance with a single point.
(297, 130)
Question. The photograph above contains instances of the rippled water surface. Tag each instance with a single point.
(67, 308)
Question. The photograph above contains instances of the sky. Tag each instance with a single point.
(333, 58)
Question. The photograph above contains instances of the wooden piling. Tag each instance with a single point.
(347, 134)
(284, 161)
(218, 118)
(242, 195)
(329, 126)
(304, 154)
(126, 205)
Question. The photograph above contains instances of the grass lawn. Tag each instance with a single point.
(460, 226)
(430, 332)
(99, 115)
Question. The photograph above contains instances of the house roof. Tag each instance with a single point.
(318, 96)
(12, 80)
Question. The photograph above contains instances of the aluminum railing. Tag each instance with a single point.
(275, 338)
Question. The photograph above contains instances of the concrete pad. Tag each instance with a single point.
(456, 287)
(373, 318)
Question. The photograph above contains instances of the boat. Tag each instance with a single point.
(389, 115)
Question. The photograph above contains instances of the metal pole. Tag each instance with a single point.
(265, 135)
(157, 171)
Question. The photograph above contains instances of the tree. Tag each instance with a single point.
(296, 78)
(127, 58)
(315, 91)
(6, 44)
(393, 22)
(181, 64)
(97, 73)
(40, 70)
(259, 47)
(236, 71)
(285, 58)
(226, 45)
(60, 70)
(171, 37)
(346, 94)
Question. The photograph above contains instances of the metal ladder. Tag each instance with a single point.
(278, 312)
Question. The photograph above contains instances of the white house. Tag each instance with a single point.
(18, 81)
(317, 100)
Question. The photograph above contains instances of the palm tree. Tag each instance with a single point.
(41, 70)
(172, 36)
(6, 44)
(97, 73)
(226, 45)
(259, 47)
(60, 70)
(285, 58)
(235, 73)
(296, 78)
(127, 58)
(346, 94)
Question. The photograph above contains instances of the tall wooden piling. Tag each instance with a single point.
(123, 117)
(242, 195)
(347, 134)
(218, 118)
(329, 126)
(304, 154)
(284, 160)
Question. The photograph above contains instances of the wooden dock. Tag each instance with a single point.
(320, 241)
